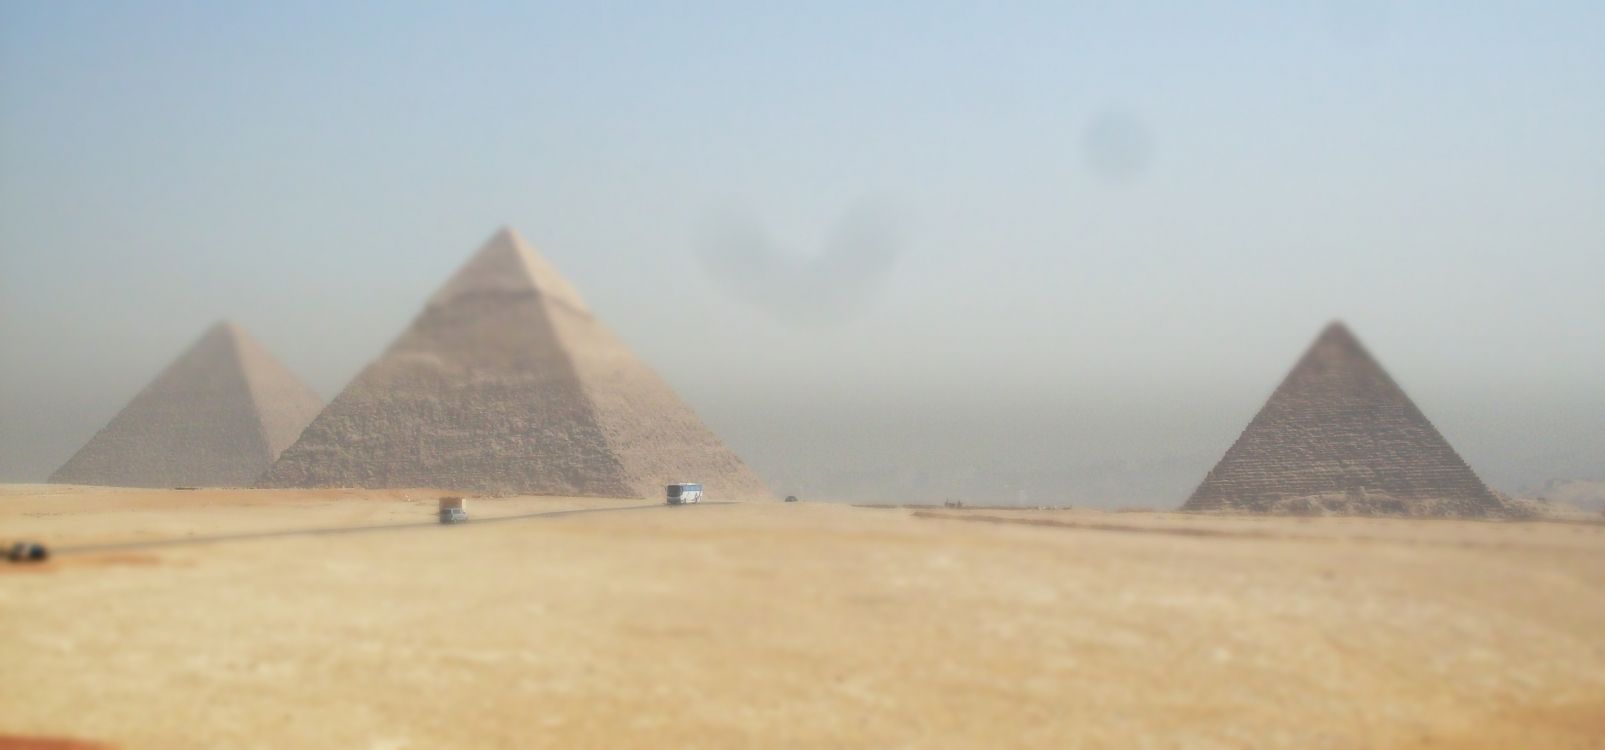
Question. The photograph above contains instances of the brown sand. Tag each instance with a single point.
(798, 625)
(14, 742)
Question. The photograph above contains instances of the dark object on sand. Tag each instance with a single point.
(791, 498)
(453, 510)
(28, 552)
(453, 515)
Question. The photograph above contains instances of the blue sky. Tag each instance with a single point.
(1151, 205)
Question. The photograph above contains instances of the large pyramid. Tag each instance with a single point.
(1339, 436)
(506, 383)
(216, 417)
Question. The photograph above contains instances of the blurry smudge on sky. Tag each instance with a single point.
(831, 287)
(1117, 146)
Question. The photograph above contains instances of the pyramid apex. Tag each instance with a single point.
(227, 333)
(1336, 328)
(1337, 339)
(226, 327)
(506, 263)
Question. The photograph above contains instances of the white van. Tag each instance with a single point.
(684, 493)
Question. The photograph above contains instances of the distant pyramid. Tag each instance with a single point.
(1339, 436)
(216, 417)
(506, 383)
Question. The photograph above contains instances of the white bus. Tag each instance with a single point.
(684, 493)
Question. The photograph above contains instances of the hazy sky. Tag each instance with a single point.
(1128, 217)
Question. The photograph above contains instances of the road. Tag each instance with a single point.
(332, 530)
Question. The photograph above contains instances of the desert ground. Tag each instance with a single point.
(182, 619)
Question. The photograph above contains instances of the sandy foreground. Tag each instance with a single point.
(787, 625)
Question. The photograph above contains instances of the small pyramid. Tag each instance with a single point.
(506, 383)
(1339, 436)
(218, 416)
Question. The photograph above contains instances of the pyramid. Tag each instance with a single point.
(1339, 436)
(216, 417)
(506, 383)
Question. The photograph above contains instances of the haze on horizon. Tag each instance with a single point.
(1059, 253)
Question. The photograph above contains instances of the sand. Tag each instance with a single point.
(790, 625)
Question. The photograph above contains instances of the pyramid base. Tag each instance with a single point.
(1362, 503)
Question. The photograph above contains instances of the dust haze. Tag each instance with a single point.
(885, 241)
(1093, 375)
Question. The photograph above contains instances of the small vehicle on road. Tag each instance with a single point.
(453, 515)
(28, 552)
(453, 510)
(684, 493)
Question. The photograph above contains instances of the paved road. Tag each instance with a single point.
(331, 530)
